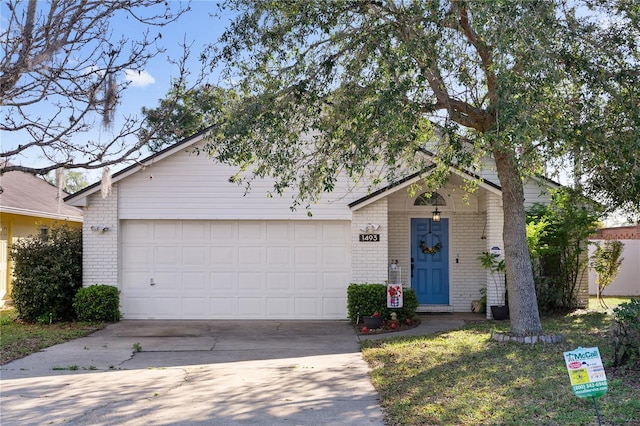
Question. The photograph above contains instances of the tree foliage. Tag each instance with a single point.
(605, 261)
(62, 74)
(195, 109)
(357, 86)
(558, 234)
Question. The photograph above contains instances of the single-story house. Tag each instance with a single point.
(181, 241)
(29, 206)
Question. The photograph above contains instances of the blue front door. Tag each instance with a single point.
(430, 263)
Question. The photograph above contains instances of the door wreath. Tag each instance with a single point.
(430, 249)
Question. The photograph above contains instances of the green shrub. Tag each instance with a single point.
(97, 303)
(365, 299)
(625, 332)
(557, 236)
(47, 274)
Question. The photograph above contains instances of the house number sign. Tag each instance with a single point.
(370, 237)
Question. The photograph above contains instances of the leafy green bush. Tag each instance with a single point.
(97, 303)
(557, 236)
(47, 274)
(625, 332)
(365, 299)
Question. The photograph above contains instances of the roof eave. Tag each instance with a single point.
(43, 215)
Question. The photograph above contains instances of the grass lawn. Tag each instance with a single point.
(18, 339)
(464, 378)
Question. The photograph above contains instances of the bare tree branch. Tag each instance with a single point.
(62, 57)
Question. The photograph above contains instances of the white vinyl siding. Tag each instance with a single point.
(186, 186)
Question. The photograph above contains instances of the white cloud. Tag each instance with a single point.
(139, 78)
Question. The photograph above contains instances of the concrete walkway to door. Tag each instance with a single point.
(201, 373)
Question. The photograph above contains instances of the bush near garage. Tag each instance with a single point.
(97, 303)
(47, 273)
(365, 299)
(625, 332)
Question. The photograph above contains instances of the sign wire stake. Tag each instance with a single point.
(595, 405)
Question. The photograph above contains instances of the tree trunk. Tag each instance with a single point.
(523, 304)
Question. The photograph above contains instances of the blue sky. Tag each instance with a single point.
(196, 28)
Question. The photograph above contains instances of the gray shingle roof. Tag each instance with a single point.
(24, 193)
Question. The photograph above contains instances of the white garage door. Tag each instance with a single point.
(235, 269)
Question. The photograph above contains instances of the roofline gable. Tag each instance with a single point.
(77, 197)
(402, 183)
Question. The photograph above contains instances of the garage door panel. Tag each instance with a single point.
(334, 232)
(223, 281)
(251, 307)
(139, 230)
(334, 256)
(306, 307)
(223, 255)
(167, 231)
(278, 281)
(306, 232)
(278, 307)
(195, 282)
(333, 307)
(250, 281)
(136, 256)
(250, 256)
(250, 232)
(278, 232)
(306, 281)
(223, 231)
(278, 256)
(334, 281)
(306, 256)
(166, 256)
(195, 255)
(195, 308)
(223, 307)
(166, 281)
(138, 280)
(196, 231)
(167, 308)
(235, 269)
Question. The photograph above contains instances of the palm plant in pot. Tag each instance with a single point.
(497, 268)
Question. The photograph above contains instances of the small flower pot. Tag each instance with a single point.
(372, 322)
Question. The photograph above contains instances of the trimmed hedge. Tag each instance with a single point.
(97, 303)
(365, 299)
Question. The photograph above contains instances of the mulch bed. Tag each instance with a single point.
(385, 328)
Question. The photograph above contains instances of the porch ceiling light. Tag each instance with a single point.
(436, 215)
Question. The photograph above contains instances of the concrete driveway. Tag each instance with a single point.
(196, 373)
(202, 373)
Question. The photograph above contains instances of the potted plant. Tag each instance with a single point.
(496, 267)
(374, 321)
(480, 306)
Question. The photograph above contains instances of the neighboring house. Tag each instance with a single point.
(182, 242)
(29, 206)
(627, 282)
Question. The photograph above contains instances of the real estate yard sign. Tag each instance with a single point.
(586, 372)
